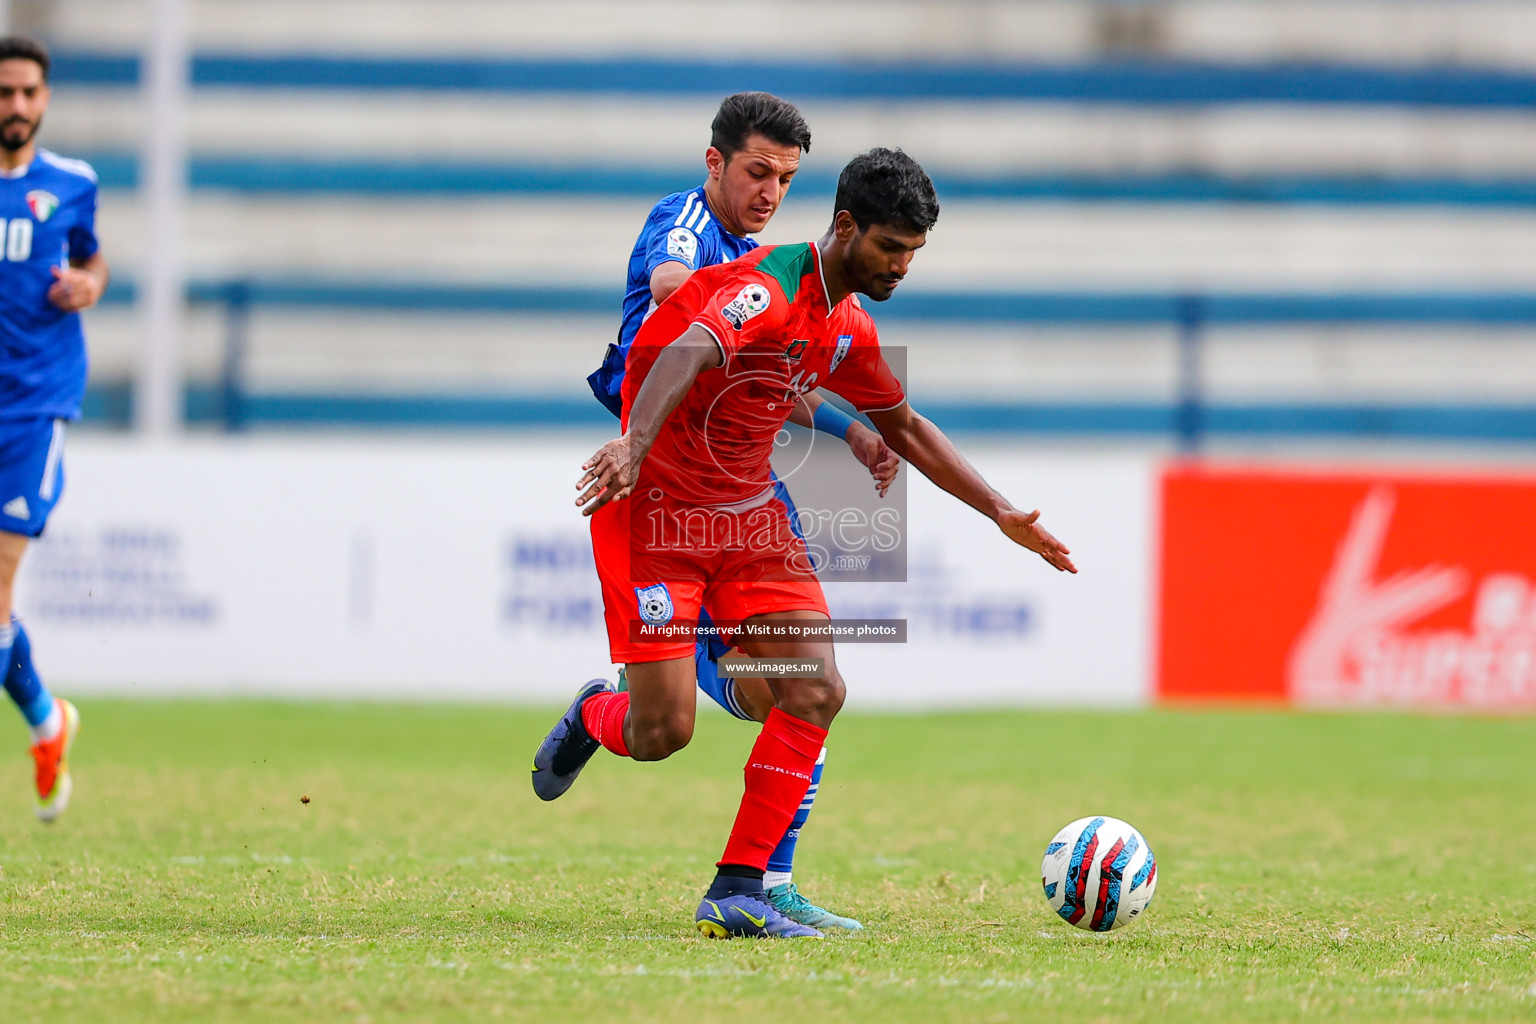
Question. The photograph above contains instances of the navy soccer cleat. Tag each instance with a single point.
(749, 915)
(567, 748)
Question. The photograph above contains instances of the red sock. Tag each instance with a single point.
(603, 715)
(778, 774)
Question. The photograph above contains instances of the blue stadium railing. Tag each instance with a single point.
(1190, 418)
(1121, 82)
(259, 176)
(1110, 82)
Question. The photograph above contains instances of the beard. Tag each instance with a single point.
(877, 288)
(10, 139)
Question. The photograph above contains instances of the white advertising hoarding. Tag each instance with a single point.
(460, 569)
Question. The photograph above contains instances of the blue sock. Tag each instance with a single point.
(733, 701)
(721, 689)
(781, 865)
(21, 680)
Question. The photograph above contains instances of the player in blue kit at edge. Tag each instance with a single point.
(50, 269)
(755, 146)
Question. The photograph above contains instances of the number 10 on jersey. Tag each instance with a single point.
(17, 235)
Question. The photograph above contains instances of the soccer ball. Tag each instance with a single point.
(1099, 873)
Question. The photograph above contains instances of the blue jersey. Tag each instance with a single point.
(47, 220)
(680, 229)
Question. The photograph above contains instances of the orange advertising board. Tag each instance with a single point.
(1338, 590)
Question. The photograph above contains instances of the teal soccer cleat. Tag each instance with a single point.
(787, 900)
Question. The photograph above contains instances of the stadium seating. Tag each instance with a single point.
(1352, 157)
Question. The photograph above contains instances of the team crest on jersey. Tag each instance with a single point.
(42, 204)
(796, 349)
(844, 343)
(749, 302)
(655, 604)
(684, 245)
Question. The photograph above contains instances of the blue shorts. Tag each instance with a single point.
(31, 473)
(709, 652)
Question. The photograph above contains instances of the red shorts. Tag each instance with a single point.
(660, 563)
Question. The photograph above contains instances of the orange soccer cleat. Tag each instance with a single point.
(52, 758)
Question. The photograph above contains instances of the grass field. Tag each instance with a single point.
(1358, 867)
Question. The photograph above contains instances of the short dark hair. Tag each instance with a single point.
(26, 48)
(757, 113)
(885, 186)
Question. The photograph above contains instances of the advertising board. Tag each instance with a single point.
(461, 569)
(1348, 589)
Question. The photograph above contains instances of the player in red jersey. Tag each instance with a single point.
(683, 511)
(756, 140)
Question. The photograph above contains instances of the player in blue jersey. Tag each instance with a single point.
(51, 268)
(755, 146)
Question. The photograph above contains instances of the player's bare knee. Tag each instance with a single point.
(831, 693)
(814, 700)
(659, 739)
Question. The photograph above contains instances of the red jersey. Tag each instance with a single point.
(779, 338)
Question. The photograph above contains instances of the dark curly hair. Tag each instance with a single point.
(26, 48)
(886, 186)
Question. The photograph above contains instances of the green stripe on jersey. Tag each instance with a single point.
(788, 264)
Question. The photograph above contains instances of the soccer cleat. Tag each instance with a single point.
(786, 899)
(52, 759)
(567, 748)
(749, 916)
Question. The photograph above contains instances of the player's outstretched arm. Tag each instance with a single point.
(611, 473)
(924, 445)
